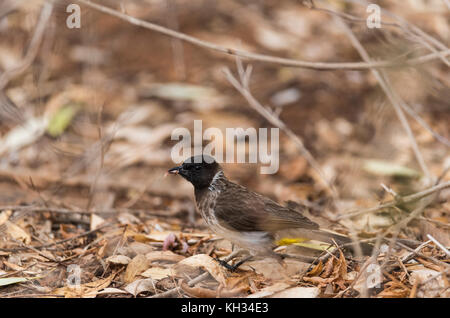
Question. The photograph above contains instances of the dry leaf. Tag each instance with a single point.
(205, 262)
(298, 292)
(160, 236)
(4, 216)
(140, 285)
(201, 292)
(135, 267)
(107, 291)
(118, 259)
(433, 288)
(13, 266)
(166, 256)
(317, 269)
(157, 273)
(17, 232)
(96, 221)
(270, 290)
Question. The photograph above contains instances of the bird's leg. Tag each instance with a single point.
(235, 253)
(242, 261)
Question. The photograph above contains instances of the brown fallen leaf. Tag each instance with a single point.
(118, 260)
(335, 272)
(319, 281)
(137, 265)
(317, 269)
(328, 268)
(394, 290)
(96, 221)
(429, 287)
(271, 268)
(140, 286)
(165, 256)
(205, 262)
(13, 266)
(201, 292)
(157, 273)
(111, 290)
(17, 233)
(4, 216)
(298, 292)
(270, 290)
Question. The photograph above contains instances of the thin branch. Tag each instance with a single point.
(242, 87)
(430, 258)
(33, 47)
(25, 247)
(38, 209)
(401, 200)
(263, 57)
(442, 247)
(413, 31)
(391, 94)
(422, 122)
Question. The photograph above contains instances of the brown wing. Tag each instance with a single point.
(238, 208)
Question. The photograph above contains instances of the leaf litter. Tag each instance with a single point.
(85, 210)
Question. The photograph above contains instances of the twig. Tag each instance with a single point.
(177, 45)
(422, 122)
(442, 247)
(32, 49)
(392, 96)
(430, 258)
(243, 88)
(262, 57)
(86, 212)
(415, 32)
(407, 199)
(55, 243)
(413, 253)
(82, 181)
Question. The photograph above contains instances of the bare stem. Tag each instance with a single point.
(263, 57)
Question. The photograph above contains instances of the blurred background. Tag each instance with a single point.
(86, 114)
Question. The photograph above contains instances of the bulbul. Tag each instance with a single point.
(248, 219)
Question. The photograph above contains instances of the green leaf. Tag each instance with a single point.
(62, 119)
(386, 168)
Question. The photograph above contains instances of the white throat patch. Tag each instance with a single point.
(218, 175)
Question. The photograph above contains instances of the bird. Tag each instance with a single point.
(250, 220)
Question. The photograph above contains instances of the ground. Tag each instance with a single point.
(86, 117)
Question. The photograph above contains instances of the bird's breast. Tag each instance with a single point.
(206, 204)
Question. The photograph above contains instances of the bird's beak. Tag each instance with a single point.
(175, 170)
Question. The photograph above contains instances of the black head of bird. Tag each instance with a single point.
(198, 170)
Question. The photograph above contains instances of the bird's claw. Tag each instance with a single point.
(231, 268)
